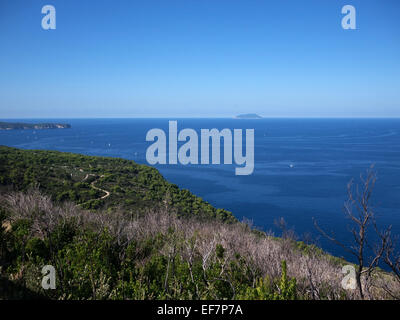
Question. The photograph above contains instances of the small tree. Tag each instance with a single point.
(359, 210)
(391, 257)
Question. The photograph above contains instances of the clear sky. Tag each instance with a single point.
(199, 58)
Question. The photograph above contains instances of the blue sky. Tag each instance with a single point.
(199, 58)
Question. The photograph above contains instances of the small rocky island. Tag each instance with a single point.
(35, 126)
(248, 116)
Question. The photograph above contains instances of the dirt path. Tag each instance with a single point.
(107, 193)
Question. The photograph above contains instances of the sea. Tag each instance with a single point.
(301, 167)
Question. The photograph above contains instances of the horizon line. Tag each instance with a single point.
(202, 117)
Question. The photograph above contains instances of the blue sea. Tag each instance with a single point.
(302, 166)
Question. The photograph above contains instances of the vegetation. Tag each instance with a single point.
(164, 243)
(157, 255)
(99, 183)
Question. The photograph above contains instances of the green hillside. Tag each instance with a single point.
(113, 229)
(99, 182)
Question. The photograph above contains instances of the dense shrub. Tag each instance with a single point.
(156, 255)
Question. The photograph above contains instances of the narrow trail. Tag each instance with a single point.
(107, 193)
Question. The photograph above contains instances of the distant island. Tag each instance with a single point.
(248, 116)
(36, 126)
